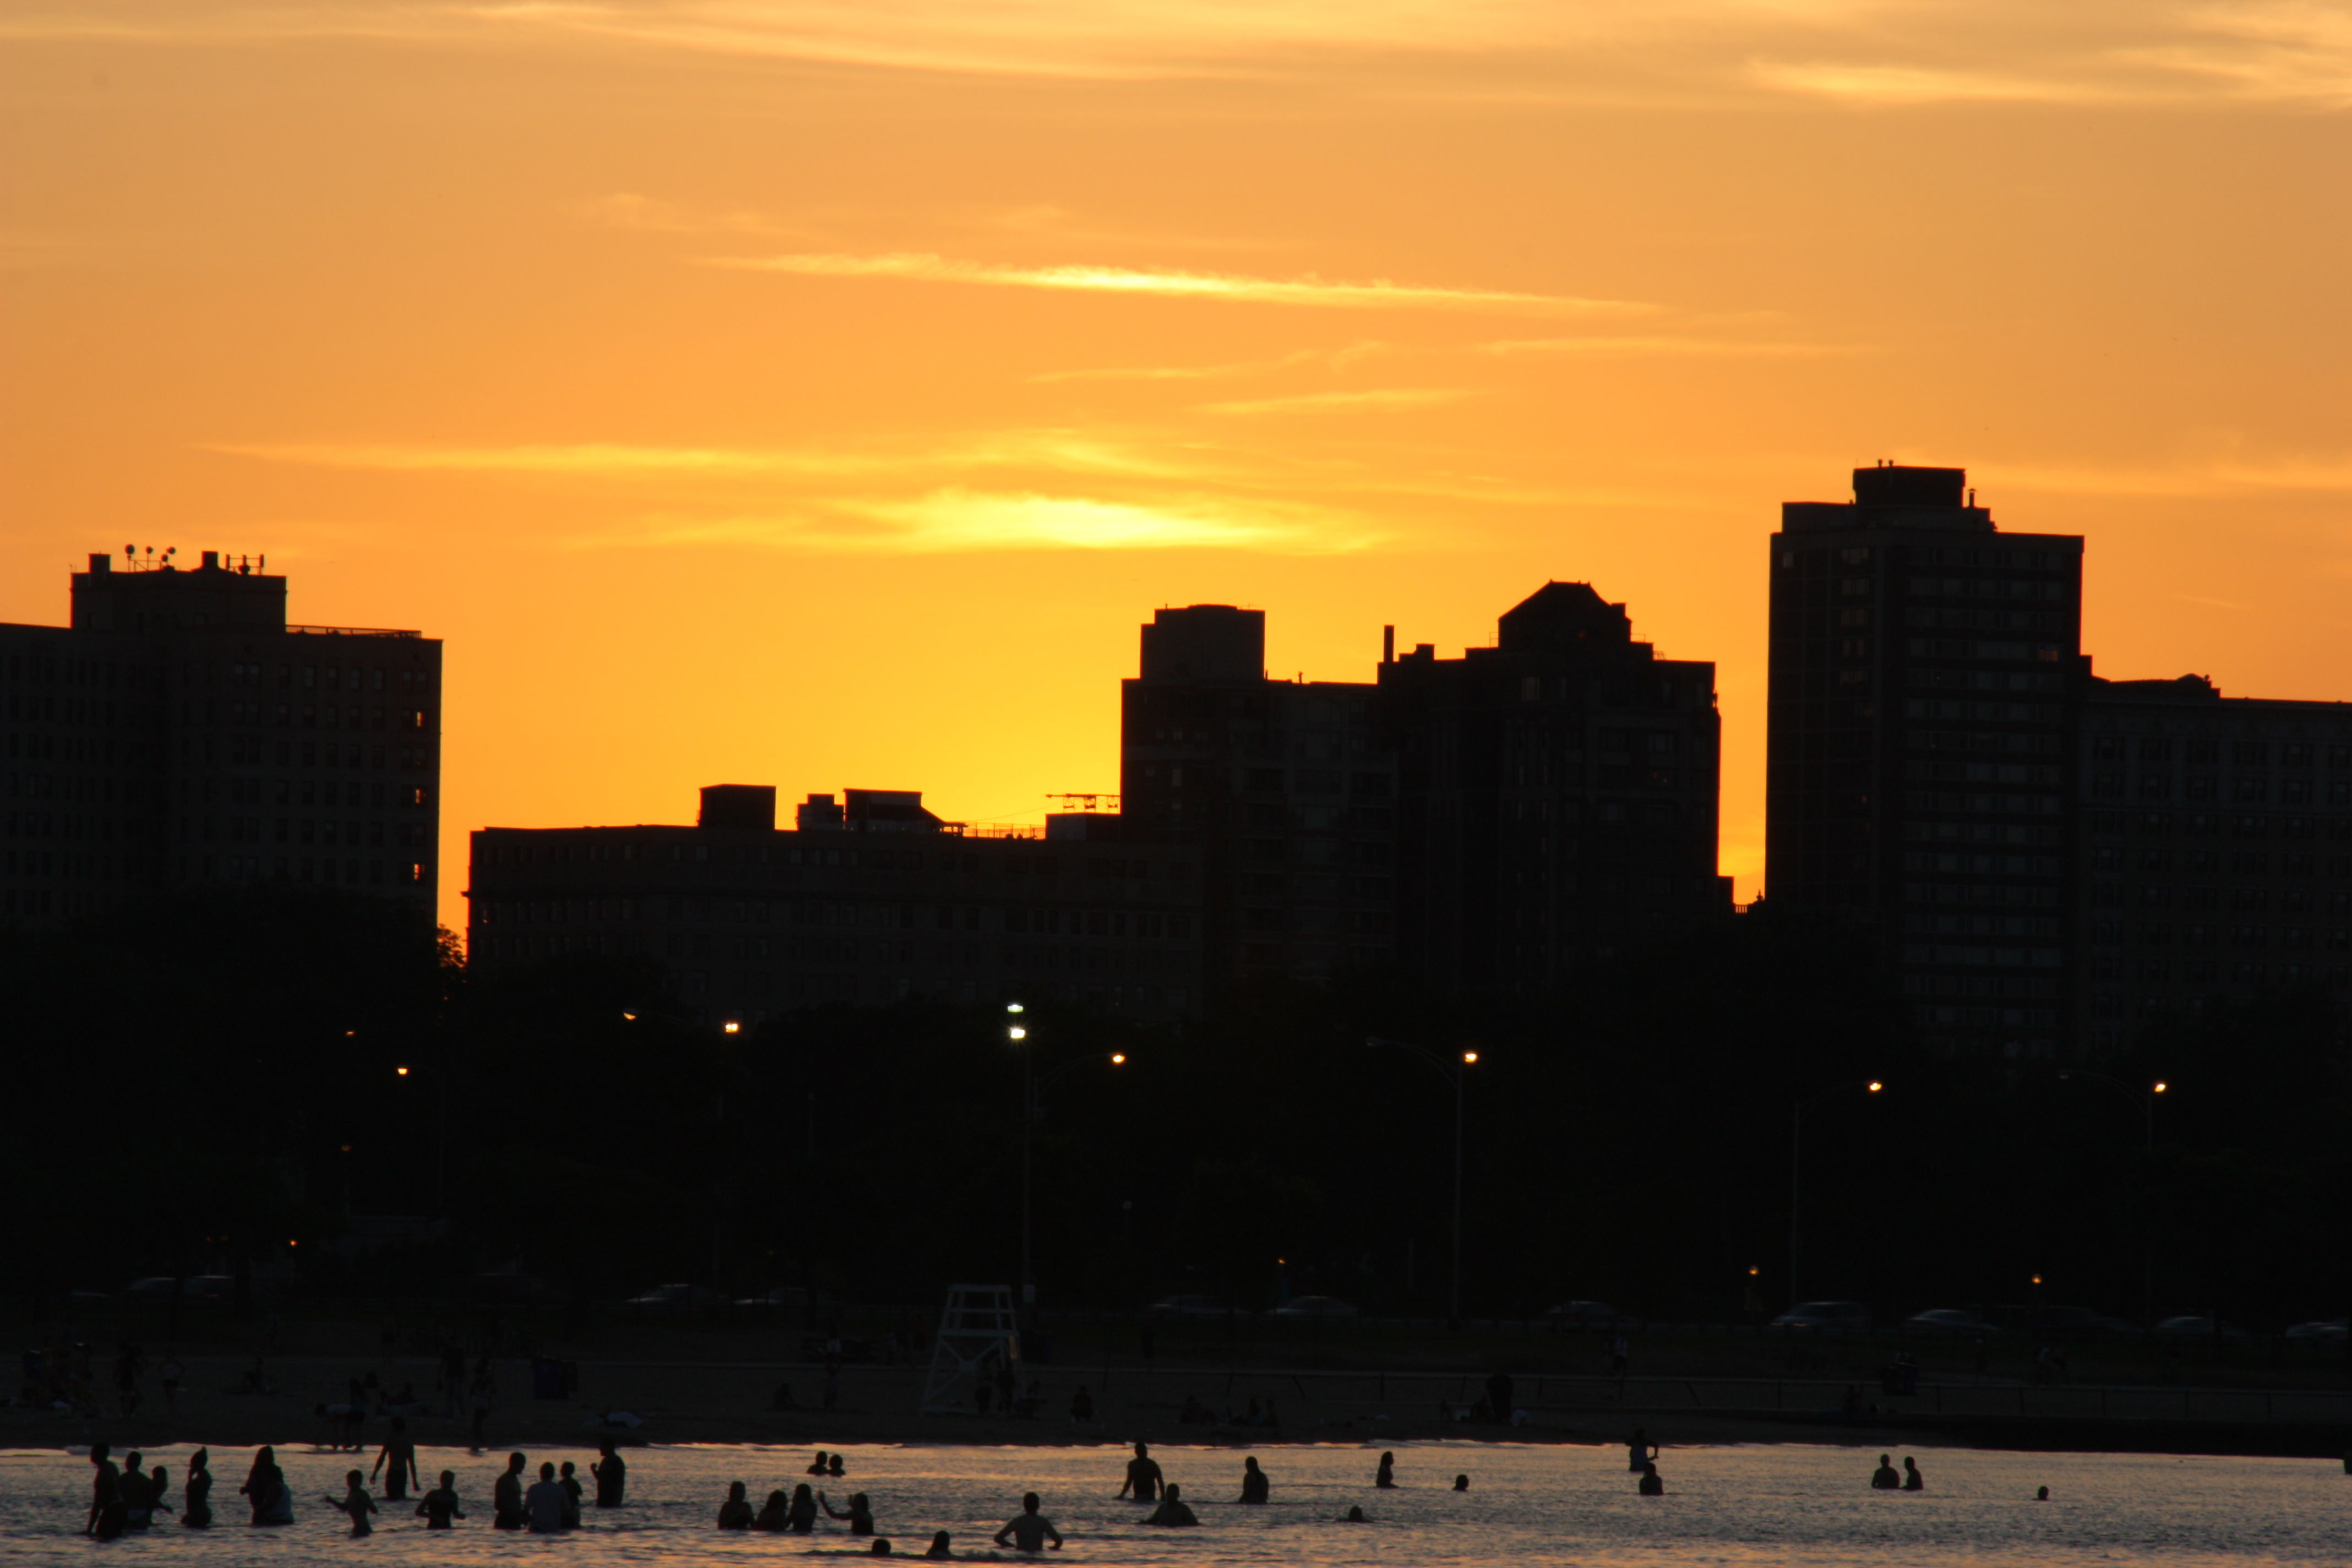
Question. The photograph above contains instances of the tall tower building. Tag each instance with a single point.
(1925, 680)
(1557, 791)
(180, 733)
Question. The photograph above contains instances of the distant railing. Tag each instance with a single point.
(982, 830)
(350, 632)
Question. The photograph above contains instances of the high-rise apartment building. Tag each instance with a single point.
(1925, 678)
(1287, 789)
(2216, 853)
(1557, 791)
(178, 732)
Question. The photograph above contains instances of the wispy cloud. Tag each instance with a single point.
(954, 519)
(1377, 295)
(1376, 400)
(1670, 347)
(2230, 476)
(1912, 84)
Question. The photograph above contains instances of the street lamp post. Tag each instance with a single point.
(1452, 1071)
(1018, 1033)
(2146, 1104)
(1796, 1145)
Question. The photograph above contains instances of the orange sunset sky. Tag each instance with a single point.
(819, 395)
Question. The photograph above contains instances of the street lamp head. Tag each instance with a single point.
(628, 1017)
(1875, 1086)
(1017, 1032)
(2162, 1086)
(1118, 1058)
(401, 1072)
(1468, 1057)
(1014, 1007)
(730, 1028)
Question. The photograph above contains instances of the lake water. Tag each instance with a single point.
(1732, 1505)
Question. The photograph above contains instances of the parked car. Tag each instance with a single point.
(2331, 1331)
(1586, 1315)
(1948, 1323)
(675, 1301)
(1326, 1308)
(1824, 1316)
(1191, 1307)
(2193, 1328)
(2062, 1323)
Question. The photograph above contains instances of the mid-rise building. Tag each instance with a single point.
(2216, 853)
(178, 732)
(1925, 678)
(1285, 791)
(869, 899)
(1557, 793)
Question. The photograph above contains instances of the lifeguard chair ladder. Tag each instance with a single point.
(979, 1337)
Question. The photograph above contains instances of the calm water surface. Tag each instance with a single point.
(1729, 1505)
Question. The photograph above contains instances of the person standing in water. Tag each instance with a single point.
(611, 1476)
(816, 1466)
(1652, 1484)
(859, 1514)
(506, 1496)
(356, 1502)
(1640, 1450)
(1173, 1511)
(265, 1487)
(547, 1506)
(801, 1518)
(1384, 1477)
(1254, 1486)
(1143, 1477)
(775, 1516)
(1028, 1531)
(1913, 1481)
(1884, 1478)
(570, 1479)
(735, 1513)
(439, 1506)
(132, 1487)
(941, 1546)
(105, 1493)
(400, 1453)
(197, 1510)
(1461, 1483)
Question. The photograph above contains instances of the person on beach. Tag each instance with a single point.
(611, 1475)
(105, 1493)
(439, 1506)
(735, 1513)
(1913, 1481)
(1384, 1476)
(1173, 1511)
(940, 1545)
(506, 1496)
(400, 1453)
(1082, 1406)
(1640, 1450)
(1461, 1483)
(816, 1466)
(1884, 1478)
(1254, 1486)
(860, 1516)
(1143, 1477)
(196, 1505)
(356, 1502)
(1652, 1485)
(264, 1489)
(171, 1372)
(775, 1515)
(1028, 1531)
(547, 1507)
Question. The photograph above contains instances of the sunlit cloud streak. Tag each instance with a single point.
(1313, 291)
(1371, 400)
(604, 460)
(1896, 84)
(1671, 347)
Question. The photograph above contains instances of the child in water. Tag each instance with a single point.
(439, 1506)
(939, 1545)
(356, 1502)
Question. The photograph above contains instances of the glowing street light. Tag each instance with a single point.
(1454, 1070)
(1796, 1143)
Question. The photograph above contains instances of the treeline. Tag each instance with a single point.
(218, 1080)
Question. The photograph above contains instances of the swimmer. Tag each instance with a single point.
(611, 1475)
(2041, 1494)
(775, 1514)
(939, 1545)
(1028, 1531)
(105, 1495)
(832, 1466)
(860, 1515)
(1173, 1511)
(356, 1502)
(1913, 1481)
(399, 1452)
(1884, 1478)
(1640, 1450)
(881, 1547)
(1384, 1477)
(1652, 1485)
(506, 1496)
(439, 1506)
(1461, 1483)
(1143, 1477)
(198, 1512)
(816, 1466)
(1355, 1515)
(548, 1505)
(1254, 1486)
(158, 1482)
(735, 1513)
(801, 1518)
